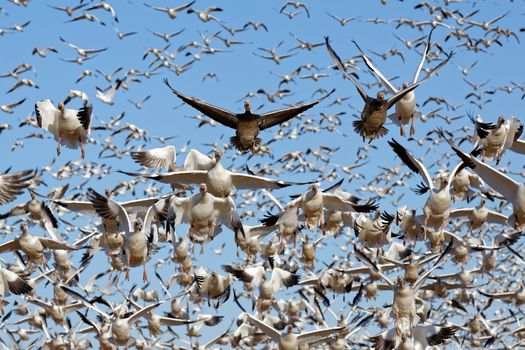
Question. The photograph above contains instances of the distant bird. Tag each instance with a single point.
(80, 51)
(247, 124)
(23, 82)
(9, 107)
(43, 52)
(172, 11)
(107, 97)
(70, 127)
(104, 6)
(342, 21)
(205, 15)
(296, 5)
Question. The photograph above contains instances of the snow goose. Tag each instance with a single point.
(437, 207)
(314, 201)
(107, 97)
(33, 246)
(254, 277)
(219, 181)
(121, 321)
(247, 125)
(70, 127)
(57, 312)
(165, 157)
(212, 286)
(138, 240)
(513, 191)
(292, 341)
(373, 116)
(12, 184)
(375, 232)
(406, 109)
(491, 137)
(479, 215)
(203, 211)
(424, 336)
(404, 303)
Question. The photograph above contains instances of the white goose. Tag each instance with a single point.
(33, 246)
(513, 191)
(165, 157)
(479, 215)
(219, 181)
(137, 236)
(203, 211)
(120, 325)
(437, 207)
(70, 127)
(494, 139)
(292, 341)
(107, 97)
(424, 336)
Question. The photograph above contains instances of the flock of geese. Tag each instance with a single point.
(351, 260)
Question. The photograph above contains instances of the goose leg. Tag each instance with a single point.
(401, 130)
(82, 149)
(58, 146)
(412, 129)
(145, 275)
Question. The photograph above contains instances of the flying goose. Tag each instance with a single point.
(424, 336)
(479, 215)
(121, 322)
(138, 239)
(292, 341)
(12, 184)
(247, 124)
(513, 191)
(70, 127)
(33, 246)
(404, 303)
(495, 138)
(437, 207)
(406, 110)
(203, 211)
(165, 157)
(373, 116)
(314, 201)
(219, 181)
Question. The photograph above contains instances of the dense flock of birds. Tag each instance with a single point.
(298, 242)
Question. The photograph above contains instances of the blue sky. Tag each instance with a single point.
(239, 71)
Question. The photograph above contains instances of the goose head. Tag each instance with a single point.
(23, 228)
(501, 121)
(203, 189)
(247, 106)
(61, 106)
(218, 155)
(405, 85)
(138, 225)
(380, 96)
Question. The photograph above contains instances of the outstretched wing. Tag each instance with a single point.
(267, 120)
(220, 115)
